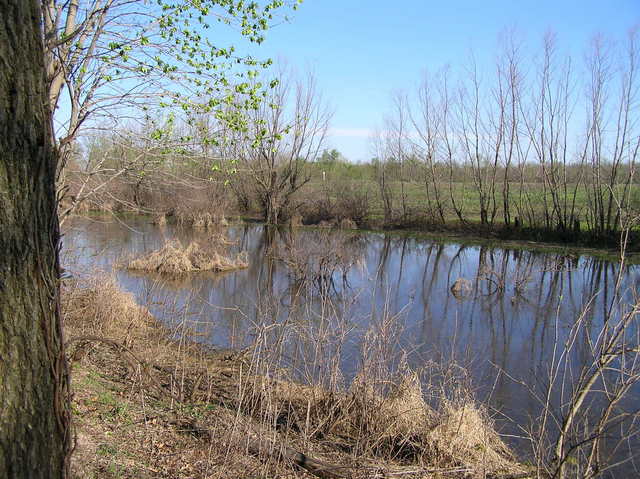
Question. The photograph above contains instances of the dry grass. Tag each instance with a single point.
(146, 405)
(398, 429)
(149, 403)
(199, 219)
(159, 219)
(91, 305)
(174, 259)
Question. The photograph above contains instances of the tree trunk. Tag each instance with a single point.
(272, 209)
(34, 417)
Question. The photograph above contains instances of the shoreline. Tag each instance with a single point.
(472, 237)
(189, 409)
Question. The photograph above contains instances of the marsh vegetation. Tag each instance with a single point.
(354, 349)
(380, 356)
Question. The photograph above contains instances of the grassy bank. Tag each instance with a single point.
(360, 201)
(147, 402)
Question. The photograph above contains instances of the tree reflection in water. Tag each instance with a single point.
(314, 295)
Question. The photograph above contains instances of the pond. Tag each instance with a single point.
(501, 314)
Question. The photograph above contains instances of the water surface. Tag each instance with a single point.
(515, 307)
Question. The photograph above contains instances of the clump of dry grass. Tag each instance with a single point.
(173, 259)
(398, 428)
(212, 409)
(98, 307)
(465, 434)
(199, 219)
(159, 219)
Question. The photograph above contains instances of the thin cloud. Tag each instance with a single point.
(350, 132)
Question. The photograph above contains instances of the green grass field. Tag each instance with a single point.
(528, 201)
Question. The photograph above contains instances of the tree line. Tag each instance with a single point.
(545, 144)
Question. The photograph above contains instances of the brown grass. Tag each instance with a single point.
(149, 403)
(398, 429)
(91, 305)
(159, 220)
(199, 219)
(174, 259)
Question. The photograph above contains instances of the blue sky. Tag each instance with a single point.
(361, 51)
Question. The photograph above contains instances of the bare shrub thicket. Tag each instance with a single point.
(289, 128)
(552, 147)
(321, 262)
(588, 392)
(380, 416)
(353, 202)
(342, 202)
(127, 170)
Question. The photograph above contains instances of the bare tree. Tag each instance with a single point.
(509, 97)
(450, 145)
(112, 60)
(611, 108)
(481, 149)
(383, 173)
(397, 145)
(288, 130)
(428, 125)
(547, 125)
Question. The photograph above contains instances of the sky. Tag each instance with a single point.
(361, 51)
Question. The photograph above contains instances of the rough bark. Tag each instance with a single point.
(34, 432)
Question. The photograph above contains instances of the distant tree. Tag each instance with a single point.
(331, 157)
(289, 128)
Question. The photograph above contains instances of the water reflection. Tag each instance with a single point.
(336, 283)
